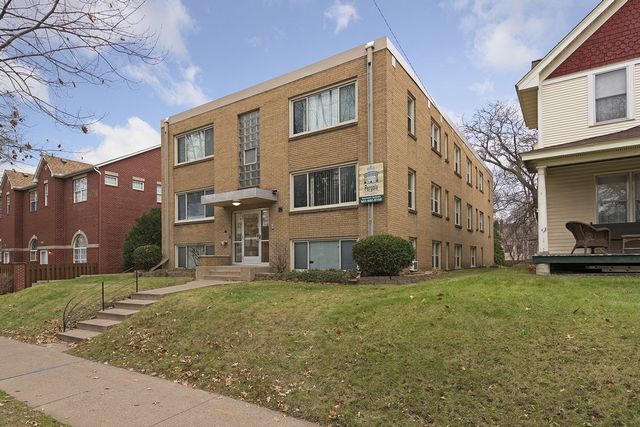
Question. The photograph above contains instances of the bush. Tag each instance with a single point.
(317, 276)
(498, 251)
(6, 283)
(383, 255)
(147, 256)
(146, 231)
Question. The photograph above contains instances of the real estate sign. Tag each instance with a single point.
(371, 181)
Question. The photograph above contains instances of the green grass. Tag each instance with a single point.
(492, 347)
(35, 314)
(14, 413)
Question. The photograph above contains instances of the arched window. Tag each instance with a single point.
(33, 250)
(80, 249)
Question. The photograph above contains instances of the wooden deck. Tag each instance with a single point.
(590, 263)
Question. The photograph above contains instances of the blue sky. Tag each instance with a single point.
(467, 52)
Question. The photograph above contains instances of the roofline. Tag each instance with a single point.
(126, 156)
(560, 151)
(564, 43)
(322, 65)
(5, 176)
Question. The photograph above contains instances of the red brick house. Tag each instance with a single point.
(75, 212)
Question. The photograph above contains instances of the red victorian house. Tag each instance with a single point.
(75, 212)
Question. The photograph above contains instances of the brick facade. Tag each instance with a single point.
(282, 155)
(617, 40)
(104, 218)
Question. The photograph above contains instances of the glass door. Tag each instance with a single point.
(251, 237)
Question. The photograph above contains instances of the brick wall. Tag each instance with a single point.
(617, 40)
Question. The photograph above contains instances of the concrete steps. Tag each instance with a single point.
(133, 304)
(116, 314)
(97, 325)
(77, 335)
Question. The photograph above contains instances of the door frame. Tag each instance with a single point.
(254, 260)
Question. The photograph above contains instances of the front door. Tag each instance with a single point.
(251, 237)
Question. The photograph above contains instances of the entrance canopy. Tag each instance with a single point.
(248, 197)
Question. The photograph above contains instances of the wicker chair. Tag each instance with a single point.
(589, 237)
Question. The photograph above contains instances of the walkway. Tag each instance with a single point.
(84, 393)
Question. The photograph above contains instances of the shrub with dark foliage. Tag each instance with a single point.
(383, 255)
(147, 231)
(147, 256)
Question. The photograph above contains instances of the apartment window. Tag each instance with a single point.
(457, 256)
(249, 148)
(446, 146)
(472, 256)
(457, 213)
(411, 190)
(435, 199)
(469, 172)
(80, 249)
(327, 187)
(324, 254)
(411, 115)
(80, 190)
(158, 193)
(33, 250)
(44, 257)
(436, 255)
(189, 205)
(481, 182)
(137, 184)
(8, 203)
(324, 109)
(189, 255)
(46, 194)
(111, 180)
(6, 257)
(447, 248)
(618, 198)
(250, 156)
(481, 221)
(195, 145)
(33, 201)
(446, 204)
(469, 217)
(611, 95)
(457, 159)
(435, 136)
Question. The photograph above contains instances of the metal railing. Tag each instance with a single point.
(96, 297)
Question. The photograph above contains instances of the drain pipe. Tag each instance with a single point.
(166, 230)
(369, 49)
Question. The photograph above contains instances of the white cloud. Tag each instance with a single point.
(170, 22)
(507, 35)
(255, 41)
(482, 88)
(118, 140)
(342, 14)
(182, 91)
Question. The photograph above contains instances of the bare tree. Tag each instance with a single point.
(500, 136)
(48, 47)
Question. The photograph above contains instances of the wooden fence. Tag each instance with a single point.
(37, 272)
(6, 278)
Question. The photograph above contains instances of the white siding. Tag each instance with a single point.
(565, 111)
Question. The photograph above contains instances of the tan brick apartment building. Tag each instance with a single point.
(76, 212)
(271, 174)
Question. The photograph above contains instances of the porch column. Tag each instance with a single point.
(543, 238)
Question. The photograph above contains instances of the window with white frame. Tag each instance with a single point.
(325, 109)
(446, 204)
(194, 145)
(469, 217)
(80, 190)
(472, 256)
(457, 211)
(111, 180)
(435, 136)
(80, 249)
(446, 146)
(436, 255)
(33, 200)
(481, 221)
(411, 190)
(326, 187)
(457, 256)
(469, 172)
(618, 198)
(46, 194)
(6, 257)
(411, 115)
(189, 255)
(44, 257)
(189, 205)
(137, 184)
(457, 159)
(8, 203)
(611, 95)
(481, 182)
(324, 254)
(435, 199)
(33, 250)
(158, 192)
(250, 156)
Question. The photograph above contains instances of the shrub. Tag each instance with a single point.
(6, 283)
(383, 255)
(147, 256)
(317, 276)
(498, 251)
(146, 231)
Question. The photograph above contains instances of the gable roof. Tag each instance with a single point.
(60, 167)
(17, 180)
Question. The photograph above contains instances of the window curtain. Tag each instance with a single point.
(348, 184)
(612, 199)
(195, 209)
(324, 187)
(611, 95)
(194, 146)
(347, 103)
(323, 110)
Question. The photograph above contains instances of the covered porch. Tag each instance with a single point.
(589, 204)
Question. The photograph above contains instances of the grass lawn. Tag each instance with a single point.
(35, 314)
(474, 347)
(14, 413)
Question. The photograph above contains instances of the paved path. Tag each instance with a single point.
(84, 393)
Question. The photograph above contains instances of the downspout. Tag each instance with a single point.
(164, 154)
(369, 48)
(99, 219)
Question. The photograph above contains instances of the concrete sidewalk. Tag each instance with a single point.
(84, 393)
